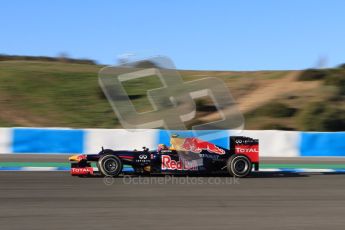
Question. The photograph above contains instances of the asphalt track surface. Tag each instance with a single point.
(55, 200)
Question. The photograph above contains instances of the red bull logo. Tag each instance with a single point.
(170, 164)
(81, 157)
(196, 145)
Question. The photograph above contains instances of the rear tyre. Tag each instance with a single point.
(110, 165)
(239, 165)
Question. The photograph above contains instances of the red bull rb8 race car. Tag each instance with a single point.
(184, 156)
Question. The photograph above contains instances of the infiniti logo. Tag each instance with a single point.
(142, 157)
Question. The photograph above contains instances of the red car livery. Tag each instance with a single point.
(170, 164)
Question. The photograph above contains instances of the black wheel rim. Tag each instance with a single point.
(110, 165)
(240, 166)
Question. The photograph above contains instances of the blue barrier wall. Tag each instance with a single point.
(66, 141)
(322, 144)
(47, 141)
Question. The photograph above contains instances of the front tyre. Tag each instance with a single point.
(239, 165)
(110, 165)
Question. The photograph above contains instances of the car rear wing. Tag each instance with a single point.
(246, 146)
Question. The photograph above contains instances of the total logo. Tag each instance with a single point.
(170, 164)
(82, 171)
(247, 149)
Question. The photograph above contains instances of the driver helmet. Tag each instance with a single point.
(162, 147)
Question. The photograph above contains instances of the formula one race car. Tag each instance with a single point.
(184, 156)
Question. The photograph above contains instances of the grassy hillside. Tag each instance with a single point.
(54, 93)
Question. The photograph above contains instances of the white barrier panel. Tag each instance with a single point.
(119, 139)
(273, 143)
(5, 140)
